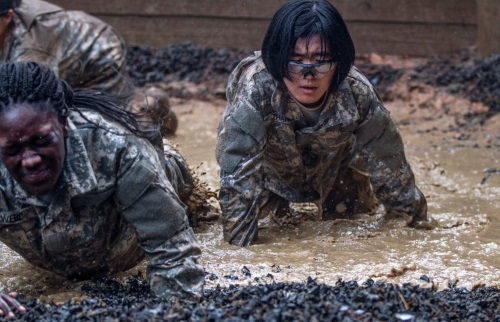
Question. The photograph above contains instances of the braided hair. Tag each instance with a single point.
(37, 85)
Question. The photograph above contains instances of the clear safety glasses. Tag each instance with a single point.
(318, 69)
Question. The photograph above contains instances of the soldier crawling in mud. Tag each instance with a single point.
(83, 192)
(304, 125)
(81, 49)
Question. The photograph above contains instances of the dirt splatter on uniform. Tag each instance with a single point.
(349, 161)
(82, 50)
(111, 206)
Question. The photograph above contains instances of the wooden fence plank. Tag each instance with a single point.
(408, 11)
(158, 32)
(411, 39)
(424, 11)
(488, 38)
(404, 39)
(407, 27)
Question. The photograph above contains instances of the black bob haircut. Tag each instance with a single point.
(304, 19)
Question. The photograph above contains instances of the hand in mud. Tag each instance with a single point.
(8, 303)
(427, 223)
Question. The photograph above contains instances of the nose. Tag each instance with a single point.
(308, 71)
(30, 159)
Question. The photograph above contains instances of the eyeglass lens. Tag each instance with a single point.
(299, 68)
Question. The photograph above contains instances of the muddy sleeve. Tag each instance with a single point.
(381, 154)
(153, 208)
(239, 151)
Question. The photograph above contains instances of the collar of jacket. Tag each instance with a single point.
(77, 172)
(30, 10)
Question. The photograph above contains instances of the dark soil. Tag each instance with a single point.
(109, 300)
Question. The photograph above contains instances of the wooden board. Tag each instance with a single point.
(488, 39)
(442, 11)
(403, 39)
(411, 39)
(406, 27)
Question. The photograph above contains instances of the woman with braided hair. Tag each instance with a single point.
(83, 191)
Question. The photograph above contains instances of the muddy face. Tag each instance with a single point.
(32, 147)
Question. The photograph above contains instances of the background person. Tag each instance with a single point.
(81, 49)
(82, 190)
(304, 125)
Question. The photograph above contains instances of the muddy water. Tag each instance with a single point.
(464, 250)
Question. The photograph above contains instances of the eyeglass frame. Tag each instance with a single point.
(312, 68)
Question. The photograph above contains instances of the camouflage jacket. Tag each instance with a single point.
(81, 49)
(112, 204)
(264, 143)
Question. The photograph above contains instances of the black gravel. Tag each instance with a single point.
(109, 300)
(181, 62)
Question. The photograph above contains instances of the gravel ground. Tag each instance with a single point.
(110, 300)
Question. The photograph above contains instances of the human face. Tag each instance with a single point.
(32, 147)
(308, 88)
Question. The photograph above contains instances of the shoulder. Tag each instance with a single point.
(249, 78)
(106, 139)
(251, 70)
(360, 88)
(358, 82)
(103, 132)
(248, 67)
(89, 119)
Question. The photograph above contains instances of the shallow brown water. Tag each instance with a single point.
(463, 250)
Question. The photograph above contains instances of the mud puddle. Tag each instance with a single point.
(462, 252)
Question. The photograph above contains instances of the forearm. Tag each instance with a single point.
(239, 217)
(174, 268)
(241, 202)
(163, 231)
(391, 176)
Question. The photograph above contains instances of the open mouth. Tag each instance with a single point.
(37, 176)
(308, 89)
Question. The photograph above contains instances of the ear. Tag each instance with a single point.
(65, 128)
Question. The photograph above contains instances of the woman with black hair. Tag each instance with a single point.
(83, 192)
(304, 125)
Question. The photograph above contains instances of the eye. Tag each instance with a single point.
(42, 140)
(9, 151)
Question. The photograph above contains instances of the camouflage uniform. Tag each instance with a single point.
(349, 161)
(81, 49)
(111, 206)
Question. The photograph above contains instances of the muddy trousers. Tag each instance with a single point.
(351, 194)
